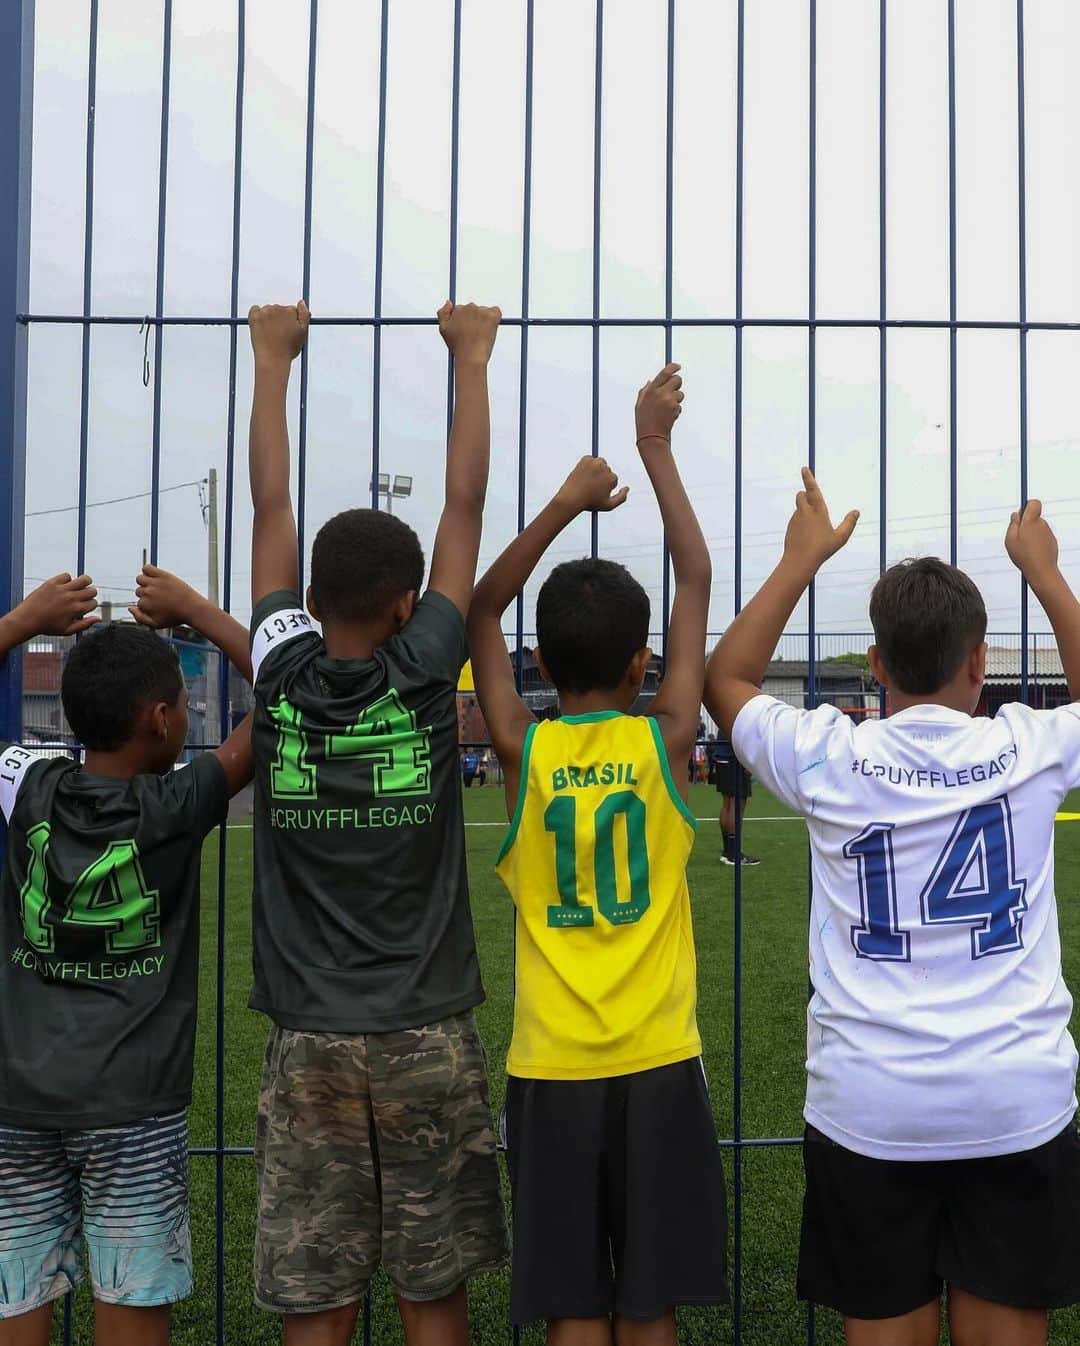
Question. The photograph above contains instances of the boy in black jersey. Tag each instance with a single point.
(374, 1140)
(99, 965)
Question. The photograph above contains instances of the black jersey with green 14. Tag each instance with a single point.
(99, 939)
(361, 918)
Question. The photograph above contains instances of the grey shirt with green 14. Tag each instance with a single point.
(361, 919)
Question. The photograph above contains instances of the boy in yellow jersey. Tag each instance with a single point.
(619, 1207)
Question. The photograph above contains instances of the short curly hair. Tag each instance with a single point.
(363, 560)
(110, 675)
(592, 617)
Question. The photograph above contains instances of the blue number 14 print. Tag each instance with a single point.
(973, 883)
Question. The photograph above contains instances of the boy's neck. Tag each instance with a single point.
(356, 640)
(951, 699)
(588, 703)
(126, 762)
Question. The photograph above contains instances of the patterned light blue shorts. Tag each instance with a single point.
(123, 1187)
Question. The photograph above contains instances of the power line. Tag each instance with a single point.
(115, 500)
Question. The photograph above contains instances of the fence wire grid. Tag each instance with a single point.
(17, 26)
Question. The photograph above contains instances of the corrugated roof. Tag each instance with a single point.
(1003, 664)
(826, 671)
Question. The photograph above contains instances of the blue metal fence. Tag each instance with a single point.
(16, 73)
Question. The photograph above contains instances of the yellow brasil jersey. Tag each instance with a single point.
(595, 861)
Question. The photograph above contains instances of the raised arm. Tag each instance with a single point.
(1033, 549)
(469, 332)
(737, 666)
(164, 600)
(62, 606)
(677, 707)
(236, 757)
(278, 333)
(591, 486)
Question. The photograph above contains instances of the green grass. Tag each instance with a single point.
(774, 998)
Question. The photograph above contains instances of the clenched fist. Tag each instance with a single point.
(592, 485)
(278, 331)
(469, 330)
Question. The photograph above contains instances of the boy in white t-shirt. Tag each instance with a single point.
(941, 1147)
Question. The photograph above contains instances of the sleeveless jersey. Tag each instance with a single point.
(595, 861)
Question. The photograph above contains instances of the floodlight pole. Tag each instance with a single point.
(16, 107)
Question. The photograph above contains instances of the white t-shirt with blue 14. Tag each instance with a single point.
(939, 1023)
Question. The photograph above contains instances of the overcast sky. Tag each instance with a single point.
(775, 430)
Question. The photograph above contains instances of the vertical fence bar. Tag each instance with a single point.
(376, 360)
(309, 174)
(811, 340)
(223, 684)
(736, 1114)
(598, 94)
(523, 368)
(380, 203)
(455, 134)
(88, 283)
(951, 19)
(811, 449)
(1021, 167)
(159, 287)
(883, 386)
(16, 117)
(669, 259)
(84, 381)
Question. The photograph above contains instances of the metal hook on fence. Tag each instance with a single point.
(144, 326)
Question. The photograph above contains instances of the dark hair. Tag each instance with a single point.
(927, 618)
(110, 675)
(592, 617)
(362, 560)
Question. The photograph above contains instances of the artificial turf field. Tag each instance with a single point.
(774, 998)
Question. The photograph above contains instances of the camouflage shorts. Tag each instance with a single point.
(374, 1147)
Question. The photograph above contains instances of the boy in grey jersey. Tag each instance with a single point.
(374, 1139)
(99, 926)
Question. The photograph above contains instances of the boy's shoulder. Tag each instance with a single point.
(24, 769)
(432, 646)
(277, 622)
(38, 788)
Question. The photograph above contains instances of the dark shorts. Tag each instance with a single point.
(880, 1237)
(374, 1147)
(619, 1201)
(725, 776)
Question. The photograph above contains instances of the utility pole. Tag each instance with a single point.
(215, 664)
(212, 538)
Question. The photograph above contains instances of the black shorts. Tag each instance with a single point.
(880, 1237)
(726, 776)
(619, 1203)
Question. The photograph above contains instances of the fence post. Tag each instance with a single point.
(16, 105)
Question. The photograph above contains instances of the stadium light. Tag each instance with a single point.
(400, 489)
